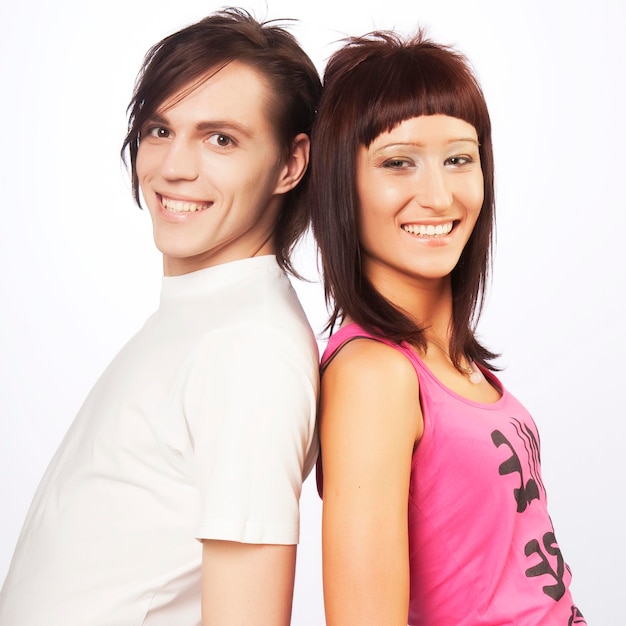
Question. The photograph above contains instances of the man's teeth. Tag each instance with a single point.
(182, 206)
(428, 230)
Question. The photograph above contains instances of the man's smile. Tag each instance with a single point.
(183, 206)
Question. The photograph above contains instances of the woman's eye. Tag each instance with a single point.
(396, 164)
(459, 160)
(223, 141)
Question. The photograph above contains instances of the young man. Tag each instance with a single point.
(173, 499)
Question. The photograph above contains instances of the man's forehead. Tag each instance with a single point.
(231, 94)
(232, 73)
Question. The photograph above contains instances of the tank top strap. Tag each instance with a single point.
(352, 331)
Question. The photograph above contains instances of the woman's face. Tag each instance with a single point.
(420, 191)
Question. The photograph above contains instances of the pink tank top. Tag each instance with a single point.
(482, 549)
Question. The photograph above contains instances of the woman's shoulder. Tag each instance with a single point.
(369, 362)
(374, 384)
(352, 334)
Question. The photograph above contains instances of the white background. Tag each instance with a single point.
(79, 275)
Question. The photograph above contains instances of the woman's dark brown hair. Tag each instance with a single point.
(370, 85)
(186, 58)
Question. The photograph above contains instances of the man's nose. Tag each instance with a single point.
(180, 163)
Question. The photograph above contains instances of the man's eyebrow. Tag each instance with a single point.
(224, 125)
(156, 118)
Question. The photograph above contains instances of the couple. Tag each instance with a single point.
(173, 499)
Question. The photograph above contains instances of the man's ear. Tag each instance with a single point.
(294, 168)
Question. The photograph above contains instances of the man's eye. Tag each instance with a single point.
(223, 141)
(157, 131)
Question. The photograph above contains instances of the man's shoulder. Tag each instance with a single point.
(268, 307)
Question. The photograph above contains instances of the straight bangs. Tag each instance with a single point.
(412, 85)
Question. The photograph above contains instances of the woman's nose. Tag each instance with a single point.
(434, 191)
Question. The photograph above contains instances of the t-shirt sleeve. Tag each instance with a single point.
(250, 406)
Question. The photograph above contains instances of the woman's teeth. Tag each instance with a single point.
(428, 230)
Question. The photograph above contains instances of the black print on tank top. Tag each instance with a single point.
(576, 617)
(543, 555)
(526, 467)
(550, 563)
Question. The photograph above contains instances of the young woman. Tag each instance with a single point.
(434, 508)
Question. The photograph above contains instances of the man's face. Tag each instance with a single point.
(211, 172)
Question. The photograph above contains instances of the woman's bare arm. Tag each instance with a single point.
(370, 421)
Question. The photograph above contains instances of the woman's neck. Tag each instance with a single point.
(428, 303)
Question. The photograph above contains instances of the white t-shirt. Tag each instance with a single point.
(203, 426)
